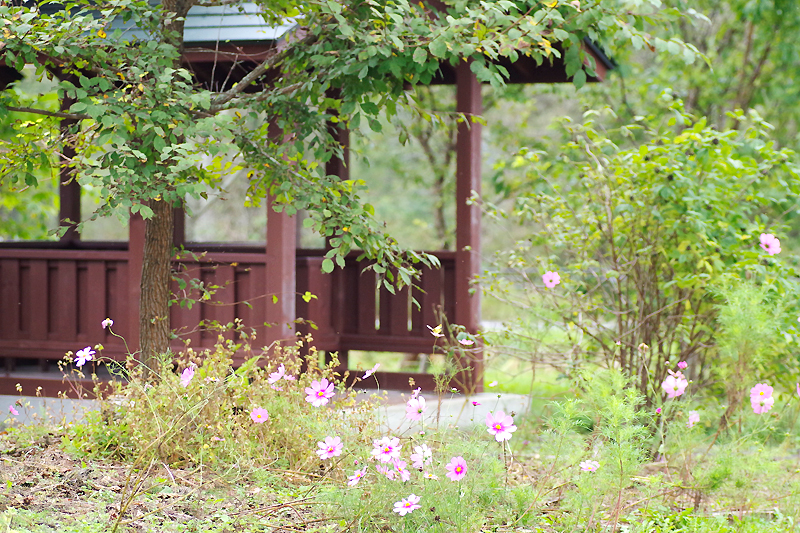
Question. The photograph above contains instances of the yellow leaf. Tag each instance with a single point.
(552, 4)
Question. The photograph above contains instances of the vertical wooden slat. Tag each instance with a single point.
(258, 299)
(117, 300)
(398, 313)
(54, 309)
(96, 310)
(37, 308)
(207, 312)
(25, 299)
(225, 297)
(366, 300)
(242, 292)
(67, 327)
(9, 299)
(431, 303)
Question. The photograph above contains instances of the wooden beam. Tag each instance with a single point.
(467, 309)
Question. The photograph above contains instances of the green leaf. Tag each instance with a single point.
(327, 265)
(420, 55)
(438, 48)
(579, 80)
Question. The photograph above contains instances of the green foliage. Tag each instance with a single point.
(748, 46)
(208, 422)
(639, 236)
(143, 127)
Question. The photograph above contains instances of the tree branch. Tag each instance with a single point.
(272, 61)
(56, 114)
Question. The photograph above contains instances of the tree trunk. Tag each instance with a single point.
(154, 327)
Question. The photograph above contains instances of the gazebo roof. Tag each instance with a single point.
(241, 24)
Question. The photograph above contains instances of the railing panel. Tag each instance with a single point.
(53, 300)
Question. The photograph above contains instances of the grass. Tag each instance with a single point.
(184, 457)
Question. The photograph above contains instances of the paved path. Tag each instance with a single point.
(455, 409)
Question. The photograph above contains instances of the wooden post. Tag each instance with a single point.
(281, 275)
(468, 217)
(339, 167)
(69, 192)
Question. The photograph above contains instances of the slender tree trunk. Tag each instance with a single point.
(154, 327)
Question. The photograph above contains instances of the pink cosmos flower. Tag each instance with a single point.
(682, 365)
(761, 405)
(401, 471)
(492, 384)
(429, 475)
(476, 404)
(658, 411)
(387, 449)
(331, 447)
(407, 505)
(501, 425)
(259, 415)
(760, 391)
(422, 455)
(388, 472)
(415, 408)
(770, 243)
(107, 323)
(186, 376)
(353, 480)
(551, 279)
(319, 392)
(12, 410)
(798, 389)
(277, 375)
(674, 385)
(694, 418)
(466, 342)
(456, 468)
(589, 466)
(371, 371)
(84, 355)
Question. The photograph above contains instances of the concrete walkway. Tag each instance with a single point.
(453, 411)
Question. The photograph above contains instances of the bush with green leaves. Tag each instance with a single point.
(639, 234)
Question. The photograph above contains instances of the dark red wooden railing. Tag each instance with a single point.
(54, 299)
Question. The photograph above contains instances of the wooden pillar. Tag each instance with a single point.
(468, 217)
(339, 167)
(135, 261)
(69, 192)
(281, 275)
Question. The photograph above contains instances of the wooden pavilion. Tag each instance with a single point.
(54, 295)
